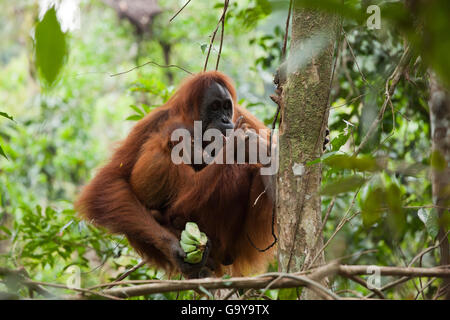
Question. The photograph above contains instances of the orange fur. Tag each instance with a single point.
(141, 178)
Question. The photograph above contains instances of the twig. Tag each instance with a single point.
(289, 280)
(286, 32)
(354, 58)
(325, 219)
(213, 36)
(275, 240)
(346, 270)
(311, 284)
(21, 276)
(319, 234)
(356, 293)
(390, 285)
(404, 279)
(127, 282)
(151, 62)
(269, 286)
(225, 7)
(350, 101)
(173, 17)
(311, 280)
(228, 296)
(425, 206)
(340, 225)
(420, 255)
(246, 294)
(356, 254)
(364, 284)
(423, 288)
(127, 273)
(441, 292)
(84, 291)
(391, 84)
(337, 50)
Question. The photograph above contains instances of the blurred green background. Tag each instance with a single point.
(68, 112)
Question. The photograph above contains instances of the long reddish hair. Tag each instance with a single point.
(187, 98)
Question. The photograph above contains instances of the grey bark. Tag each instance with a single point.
(304, 118)
(440, 174)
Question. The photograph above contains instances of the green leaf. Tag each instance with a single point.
(203, 47)
(50, 47)
(396, 217)
(138, 111)
(227, 276)
(343, 185)
(432, 224)
(364, 163)
(430, 219)
(438, 161)
(288, 294)
(3, 152)
(339, 141)
(371, 208)
(423, 215)
(65, 226)
(135, 117)
(4, 114)
(322, 158)
(5, 230)
(146, 108)
(265, 6)
(203, 289)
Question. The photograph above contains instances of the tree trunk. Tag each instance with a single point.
(304, 117)
(440, 175)
(167, 47)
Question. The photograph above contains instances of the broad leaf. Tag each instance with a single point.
(2, 153)
(363, 163)
(372, 206)
(4, 114)
(339, 141)
(343, 185)
(288, 294)
(50, 47)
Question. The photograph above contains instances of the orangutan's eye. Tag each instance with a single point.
(215, 105)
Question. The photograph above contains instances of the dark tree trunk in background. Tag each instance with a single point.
(140, 13)
(304, 119)
(166, 48)
(440, 176)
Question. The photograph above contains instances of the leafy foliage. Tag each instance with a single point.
(5, 115)
(57, 138)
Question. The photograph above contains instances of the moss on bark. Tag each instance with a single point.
(304, 119)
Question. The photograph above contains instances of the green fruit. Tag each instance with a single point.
(203, 239)
(187, 247)
(193, 230)
(187, 239)
(194, 257)
(193, 242)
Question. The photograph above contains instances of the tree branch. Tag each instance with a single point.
(346, 270)
(181, 9)
(391, 84)
(308, 279)
(275, 280)
(21, 276)
(213, 36)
